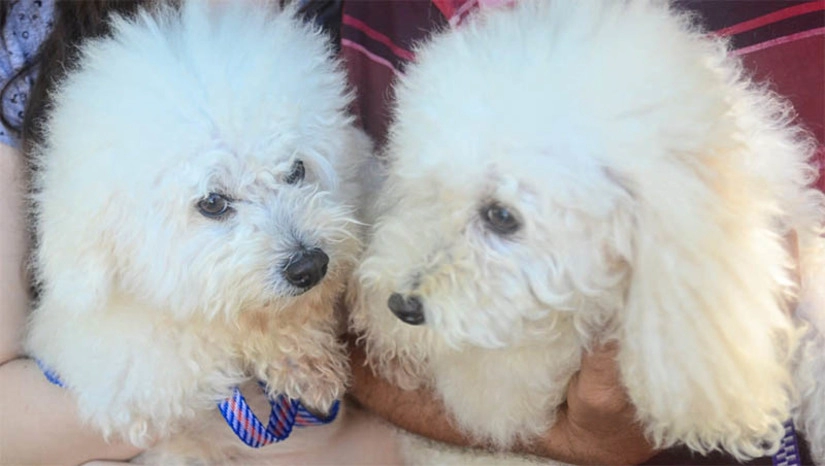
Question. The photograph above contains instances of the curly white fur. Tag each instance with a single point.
(150, 311)
(653, 183)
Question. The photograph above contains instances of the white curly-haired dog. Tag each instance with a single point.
(563, 172)
(195, 205)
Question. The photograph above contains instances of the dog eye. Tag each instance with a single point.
(214, 206)
(297, 173)
(500, 219)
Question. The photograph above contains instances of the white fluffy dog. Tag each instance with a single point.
(563, 172)
(195, 216)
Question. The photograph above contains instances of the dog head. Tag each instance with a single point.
(585, 167)
(199, 161)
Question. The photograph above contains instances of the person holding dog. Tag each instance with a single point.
(39, 423)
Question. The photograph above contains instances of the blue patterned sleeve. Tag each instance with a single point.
(28, 23)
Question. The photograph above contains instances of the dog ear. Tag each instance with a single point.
(704, 335)
(75, 268)
(86, 287)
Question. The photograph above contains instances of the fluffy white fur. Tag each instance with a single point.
(150, 311)
(654, 184)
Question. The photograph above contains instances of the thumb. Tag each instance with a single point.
(599, 409)
(597, 388)
(599, 368)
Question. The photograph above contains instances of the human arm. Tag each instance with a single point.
(39, 423)
(596, 426)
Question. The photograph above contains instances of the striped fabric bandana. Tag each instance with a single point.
(286, 413)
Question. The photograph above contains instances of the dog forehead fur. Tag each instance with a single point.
(653, 182)
(201, 74)
(212, 121)
(576, 76)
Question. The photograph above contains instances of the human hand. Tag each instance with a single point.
(598, 423)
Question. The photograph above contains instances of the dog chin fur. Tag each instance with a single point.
(653, 182)
(150, 311)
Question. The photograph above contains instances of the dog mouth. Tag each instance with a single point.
(408, 309)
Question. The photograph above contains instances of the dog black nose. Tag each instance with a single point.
(409, 310)
(306, 268)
